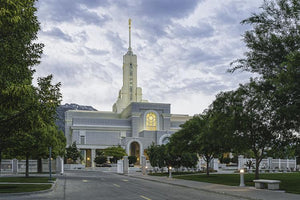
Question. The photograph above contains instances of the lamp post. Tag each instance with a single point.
(170, 172)
(242, 181)
(50, 173)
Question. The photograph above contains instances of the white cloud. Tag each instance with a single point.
(184, 48)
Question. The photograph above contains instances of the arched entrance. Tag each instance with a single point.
(135, 151)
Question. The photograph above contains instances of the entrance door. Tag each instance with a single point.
(135, 151)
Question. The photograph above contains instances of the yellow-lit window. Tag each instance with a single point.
(151, 121)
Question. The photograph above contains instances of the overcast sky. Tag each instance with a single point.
(184, 48)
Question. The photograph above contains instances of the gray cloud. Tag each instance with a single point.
(96, 51)
(71, 11)
(201, 30)
(117, 42)
(158, 9)
(58, 34)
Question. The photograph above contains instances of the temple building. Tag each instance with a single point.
(133, 123)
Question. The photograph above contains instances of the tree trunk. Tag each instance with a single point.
(39, 165)
(207, 167)
(0, 160)
(257, 168)
(27, 166)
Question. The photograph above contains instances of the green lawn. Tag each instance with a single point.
(15, 188)
(290, 182)
(35, 179)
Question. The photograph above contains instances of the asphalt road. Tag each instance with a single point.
(86, 185)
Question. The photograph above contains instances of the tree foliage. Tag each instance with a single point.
(117, 153)
(132, 159)
(200, 135)
(73, 153)
(100, 158)
(26, 112)
(157, 155)
(274, 53)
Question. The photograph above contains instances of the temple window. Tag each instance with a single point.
(151, 121)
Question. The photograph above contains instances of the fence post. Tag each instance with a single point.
(240, 162)
(270, 161)
(14, 166)
(125, 165)
(144, 167)
(216, 164)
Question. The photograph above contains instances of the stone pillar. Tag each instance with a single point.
(216, 164)
(14, 166)
(270, 162)
(240, 162)
(59, 165)
(93, 156)
(125, 165)
(144, 169)
(120, 167)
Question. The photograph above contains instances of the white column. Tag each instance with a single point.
(59, 165)
(93, 155)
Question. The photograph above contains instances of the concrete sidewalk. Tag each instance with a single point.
(240, 192)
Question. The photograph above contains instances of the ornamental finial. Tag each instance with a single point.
(129, 23)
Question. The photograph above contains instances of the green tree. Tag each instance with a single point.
(274, 53)
(189, 160)
(73, 153)
(158, 156)
(255, 125)
(198, 135)
(20, 106)
(18, 54)
(26, 112)
(117, 152)
(35, 142)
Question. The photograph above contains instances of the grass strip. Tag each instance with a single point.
(36, 179)
(290, 182)
(17, 188)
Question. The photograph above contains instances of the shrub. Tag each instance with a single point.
(132, 159)
(100, 160)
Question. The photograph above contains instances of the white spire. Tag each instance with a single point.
(129, 23)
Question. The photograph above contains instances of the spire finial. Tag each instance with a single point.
(129, 23)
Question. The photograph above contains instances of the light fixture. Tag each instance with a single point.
(242, 181)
